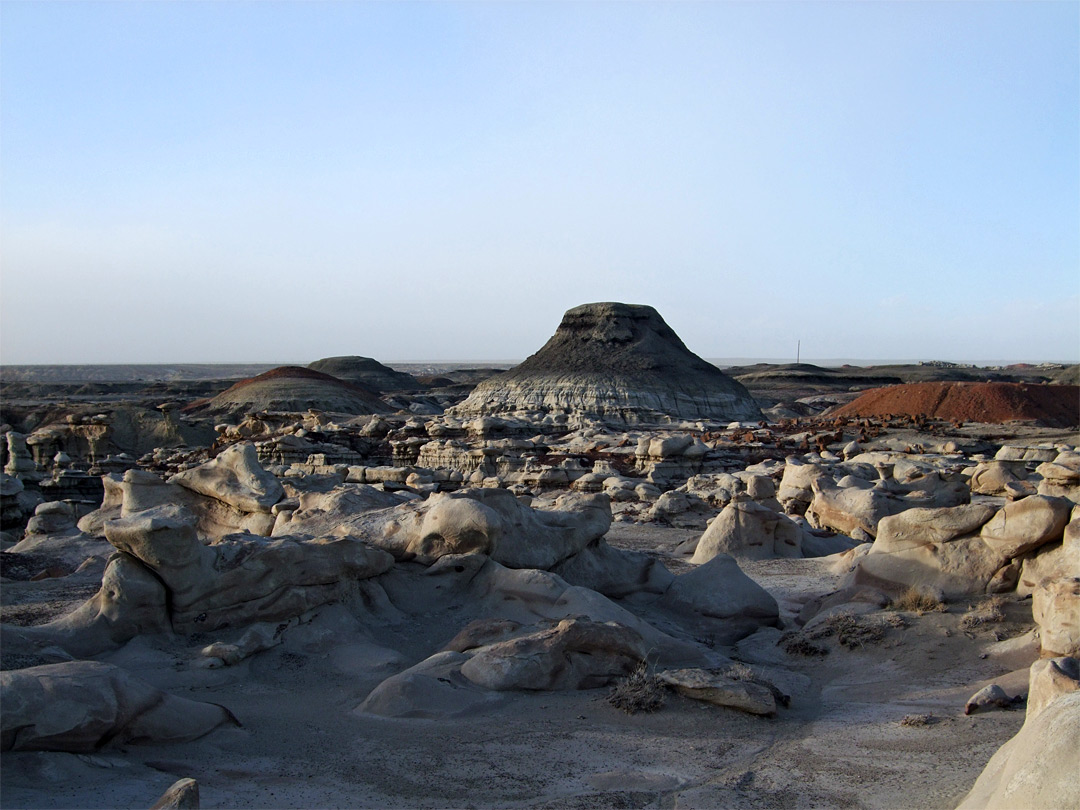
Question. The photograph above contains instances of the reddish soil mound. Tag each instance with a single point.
(996, 402)
(294, 372)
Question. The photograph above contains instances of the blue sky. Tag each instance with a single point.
(279, 182)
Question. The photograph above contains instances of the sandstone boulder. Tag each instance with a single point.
(82, 705)
(713, 688)
(1061, 477)
(1026, 524)
(241, 578)
(994, 477)
(575, 654)
(919, 527)
(1050, 678)
(492, 521)
(235, 477)
(1037, 767)
(851, 509)
(614, 572)
(183, 794)
(1055, 605)
(130, 602)
(747, 530)
(726, 604)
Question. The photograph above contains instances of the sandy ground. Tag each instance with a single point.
(839, 744)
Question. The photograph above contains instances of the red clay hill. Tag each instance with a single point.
(995, 402)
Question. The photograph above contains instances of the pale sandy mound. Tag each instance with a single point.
(996, 402)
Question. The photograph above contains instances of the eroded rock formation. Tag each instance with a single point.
(618, 362)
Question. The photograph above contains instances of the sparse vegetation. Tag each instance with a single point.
(988, 611)
(796, 644)
(640, 691)
(849, 630)
(918, 720)
(917, 601)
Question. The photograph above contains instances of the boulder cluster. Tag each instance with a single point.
(501, 521)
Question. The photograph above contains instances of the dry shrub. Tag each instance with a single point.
(918, 602)
(796, 644)
(640, 691)
(988, 611)
(849, 630)
(918, 720)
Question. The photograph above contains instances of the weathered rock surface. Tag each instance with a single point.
(130, 602)
(614, 572)
(718, 590)
(987, 698)
(241, 578)
(920, 526)
(1037, 767)
(1026, 524)
(747, 530)
(1050, 678)
(234, 477)
(860, 508)
(575, 654)
(712, 688)
(618, 362)
(83, 705)
(490, 521)
(1055, 605)
(183, 794)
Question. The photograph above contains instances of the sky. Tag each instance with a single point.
(285, 181)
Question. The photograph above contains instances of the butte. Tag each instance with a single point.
(620, 363)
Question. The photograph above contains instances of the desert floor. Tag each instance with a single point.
(841, 742)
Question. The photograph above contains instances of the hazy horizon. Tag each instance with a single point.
(480, 362)
(292, 179)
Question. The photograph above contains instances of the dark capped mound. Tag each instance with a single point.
(368, 372)
(620, 362)
(292, 388)
(995, 402)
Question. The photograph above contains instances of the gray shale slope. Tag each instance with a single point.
(621, 363)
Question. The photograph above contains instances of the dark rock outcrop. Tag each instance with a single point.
(367, 372)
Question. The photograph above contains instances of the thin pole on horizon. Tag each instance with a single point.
(798, 351)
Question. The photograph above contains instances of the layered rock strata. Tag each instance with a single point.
(618, 362)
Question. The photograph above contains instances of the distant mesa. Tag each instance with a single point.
(993, 402)
(367, 372)
(296, 389)
(621, 363)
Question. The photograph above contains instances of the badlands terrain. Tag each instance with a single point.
(612, 575)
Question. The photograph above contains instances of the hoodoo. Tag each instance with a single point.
(618, 362)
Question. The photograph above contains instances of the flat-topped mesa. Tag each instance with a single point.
(618, 362)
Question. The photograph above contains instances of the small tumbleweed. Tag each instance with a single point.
(916, 601)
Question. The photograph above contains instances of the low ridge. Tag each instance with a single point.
(367, 372)
(297, 389)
